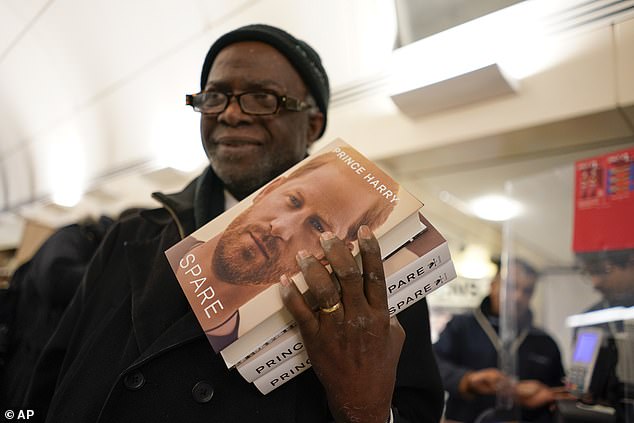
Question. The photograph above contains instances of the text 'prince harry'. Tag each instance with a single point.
(371, 179)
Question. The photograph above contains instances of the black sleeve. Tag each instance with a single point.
(447, 350)
(558, 372)
(418, 395)
(58, 352)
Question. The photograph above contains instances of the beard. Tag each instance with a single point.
(241, 183)
(240, 263)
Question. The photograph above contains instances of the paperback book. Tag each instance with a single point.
(229, 268)
(297, 362)
(408, 265)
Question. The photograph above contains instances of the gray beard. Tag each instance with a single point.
(241, 185)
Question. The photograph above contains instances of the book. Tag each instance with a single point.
(252, 342)
(229, 268)
(290, 368)
(418, 289)
(282, 348)
(409, 263)
(290, 342)
(298, 362)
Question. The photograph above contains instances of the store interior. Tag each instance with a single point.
(490, 102)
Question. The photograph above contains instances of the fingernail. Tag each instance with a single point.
(327, 235)
(285, 282)
(302, 255)
(364, 232)
(285, 285)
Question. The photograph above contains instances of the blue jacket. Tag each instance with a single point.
(464, 346)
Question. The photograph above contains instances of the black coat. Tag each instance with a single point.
(39, 292)
(129, 349)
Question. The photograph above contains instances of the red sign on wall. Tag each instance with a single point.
(604, 202)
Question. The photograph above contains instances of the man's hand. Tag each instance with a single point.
(354, 348)
(534, 394)
(481, 382)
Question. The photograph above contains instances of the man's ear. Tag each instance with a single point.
(270, 187)
(315, 123)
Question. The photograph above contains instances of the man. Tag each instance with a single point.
(129, 348)
(259, 244)
(467, 353)
(612, 274)
(39, 291)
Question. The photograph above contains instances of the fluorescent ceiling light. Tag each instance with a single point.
(474, 262)
(453, 68)
(66, 162)
(176, 140)
(470, 87)
(496, 208)
(448, 69)
(66, 198)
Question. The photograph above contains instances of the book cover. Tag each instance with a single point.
(409, 263)
(290, 342)
(251, 342)
(298, 362)
(292, 367)
(418, 289)
(282, 348)
(604, 202)
(230, 267)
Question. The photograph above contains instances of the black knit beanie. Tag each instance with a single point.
(303, 57)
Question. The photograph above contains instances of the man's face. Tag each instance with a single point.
(248, 151)
(524, 288)
(289, 216)
(613, 282)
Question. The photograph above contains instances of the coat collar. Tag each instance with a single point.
(485, 310)
(157, 300)
(162, 318)
(204, 196)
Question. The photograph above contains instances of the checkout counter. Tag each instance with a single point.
(601, 373)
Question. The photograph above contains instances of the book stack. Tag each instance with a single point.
(229, 268)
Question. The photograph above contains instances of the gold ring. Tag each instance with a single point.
(331, 309)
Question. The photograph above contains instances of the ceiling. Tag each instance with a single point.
(420, 19)
(542, 180)
(92, 95)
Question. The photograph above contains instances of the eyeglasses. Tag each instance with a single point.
(596, 269)
(251, 103)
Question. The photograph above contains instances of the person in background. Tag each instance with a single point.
(129, 348)
(39, 292)
(612, 275)
(467, 353)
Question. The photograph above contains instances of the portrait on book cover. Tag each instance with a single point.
(221, 272)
